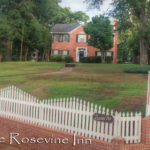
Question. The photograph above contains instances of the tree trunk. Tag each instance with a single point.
(26, 54)
(21, 46)
(9, 50)
(11, 46)
(43, 55)
(143, 20)
(47, 55)
(103, 57)
(143, 52)
(1, 56)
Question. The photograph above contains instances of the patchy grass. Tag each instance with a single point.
(23, 68)
(103, 84)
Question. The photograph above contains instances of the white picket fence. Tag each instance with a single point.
(70, 115)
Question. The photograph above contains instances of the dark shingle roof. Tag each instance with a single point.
(64, 28)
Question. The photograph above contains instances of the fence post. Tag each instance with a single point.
(145, 132)
(148, 96)
(118, 143)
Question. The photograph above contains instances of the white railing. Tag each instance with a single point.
(70, 115)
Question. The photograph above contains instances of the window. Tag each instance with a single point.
(98, 54)
(55, 52)
(65, 38)
(60, 52)
(56, 38)
(109, 54)
(61, 37)
(82, 38)
(65, 52)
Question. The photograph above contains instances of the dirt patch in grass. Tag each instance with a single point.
(136, 77)
(40, 91)
(40, 77)
(107, 92)
(45, 76)
(131, 104)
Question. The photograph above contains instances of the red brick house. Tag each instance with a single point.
(70, 39)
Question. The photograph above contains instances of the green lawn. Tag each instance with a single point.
(104, 84)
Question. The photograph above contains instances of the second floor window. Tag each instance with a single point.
(61, 37)
(82, 38)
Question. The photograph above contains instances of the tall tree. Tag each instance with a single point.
(125, 10)
(101, 34)
(65, 15)
(5, 33)
(30, 22)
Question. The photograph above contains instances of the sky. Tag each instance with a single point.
(79, 5)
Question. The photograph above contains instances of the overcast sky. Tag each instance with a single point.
(79, 5)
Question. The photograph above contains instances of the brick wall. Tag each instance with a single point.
(146, 132)
(8, 126)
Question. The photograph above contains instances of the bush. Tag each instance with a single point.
(137, 69)
(108, 59)
(68, 59)
(91, 59)
(15, 58)
(61, 58)
(56, 58)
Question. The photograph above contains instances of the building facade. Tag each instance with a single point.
(70, 39)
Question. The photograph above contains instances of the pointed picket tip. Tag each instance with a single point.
(131, 113)
(116, 113)
(107, 111)
(111, 112)
(80, 101)
(140, 113)
(84, 102)
(123, 114)
(103, 110)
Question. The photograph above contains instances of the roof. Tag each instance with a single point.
(64, 28)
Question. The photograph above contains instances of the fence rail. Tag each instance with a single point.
(70, 115)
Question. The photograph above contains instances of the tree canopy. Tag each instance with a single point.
(129, 13)
(25, 26)
(101, 33)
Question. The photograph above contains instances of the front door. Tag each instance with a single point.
(81, 53)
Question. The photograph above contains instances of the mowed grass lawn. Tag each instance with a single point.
(103, 84)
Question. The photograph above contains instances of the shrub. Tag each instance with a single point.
(85, 60)
(91, 59)
(15, 58)
(57, 58)
(108, 59)
(68, 59)
(137, 69)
